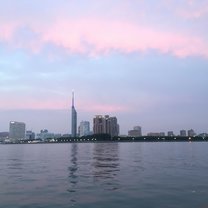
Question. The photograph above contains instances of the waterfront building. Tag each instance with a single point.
(162, 133)
(112, 126)
(191, 133)
(73, 118)
(99, 124)
(136, 132)
(203, 135)
(170, 134)
(105, 125)
(16, 130)
(156, 134)
(44, 135)
(84, 128)
(30, 135)
(4, 135)
(66, 135)
(118, 129)
(133, 133)
(183, 133)
(58, 135)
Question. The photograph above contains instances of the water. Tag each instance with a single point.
(104, 175)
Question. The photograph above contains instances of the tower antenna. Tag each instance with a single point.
(72, 97)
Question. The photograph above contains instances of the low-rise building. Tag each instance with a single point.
(44, 135)
(156, 134)
(170, 134)
(191, 133)
(136, 132)
(30, 135)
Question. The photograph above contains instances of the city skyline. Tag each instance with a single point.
(101, 125)
(146, 64)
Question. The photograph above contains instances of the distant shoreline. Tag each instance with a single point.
(100, 139)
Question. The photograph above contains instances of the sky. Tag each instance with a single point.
(143, 61)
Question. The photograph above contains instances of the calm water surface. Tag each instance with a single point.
(104, 175)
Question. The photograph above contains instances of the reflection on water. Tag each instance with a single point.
(123, 175)
(73, 176)
(106, 164)
(15, 164)
(73, 166)
(92, 169)
(15, 159)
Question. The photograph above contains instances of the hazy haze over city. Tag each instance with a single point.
(145, 62)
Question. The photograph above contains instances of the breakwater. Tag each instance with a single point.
(107, 138)
(134, 139)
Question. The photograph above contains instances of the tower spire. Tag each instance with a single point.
(72, 98)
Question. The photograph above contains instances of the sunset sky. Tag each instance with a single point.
(145, 62)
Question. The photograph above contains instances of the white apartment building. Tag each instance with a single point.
(16, 130)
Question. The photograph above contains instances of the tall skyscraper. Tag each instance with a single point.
(73, 118)
(105, 125)
(16, 130)
(112, 126)
(99, 125)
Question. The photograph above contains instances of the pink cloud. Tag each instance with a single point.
(95, 37)
(6, 31)
(31, 104)
(101, 108)
(55, 104)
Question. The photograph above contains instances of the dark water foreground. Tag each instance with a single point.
(104, 175)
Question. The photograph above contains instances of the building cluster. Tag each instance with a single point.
(183, 133)
(102, 124)
(137, 132)
(105, 125)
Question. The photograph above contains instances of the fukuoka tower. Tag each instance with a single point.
(73, 118)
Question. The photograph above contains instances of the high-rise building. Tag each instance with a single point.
(84, 128)
(99, 124)
(112, 126)
(182, 132)
(73, 118)
(105, 125)
(16, 130)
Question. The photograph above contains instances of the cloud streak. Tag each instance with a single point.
(97, 37)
